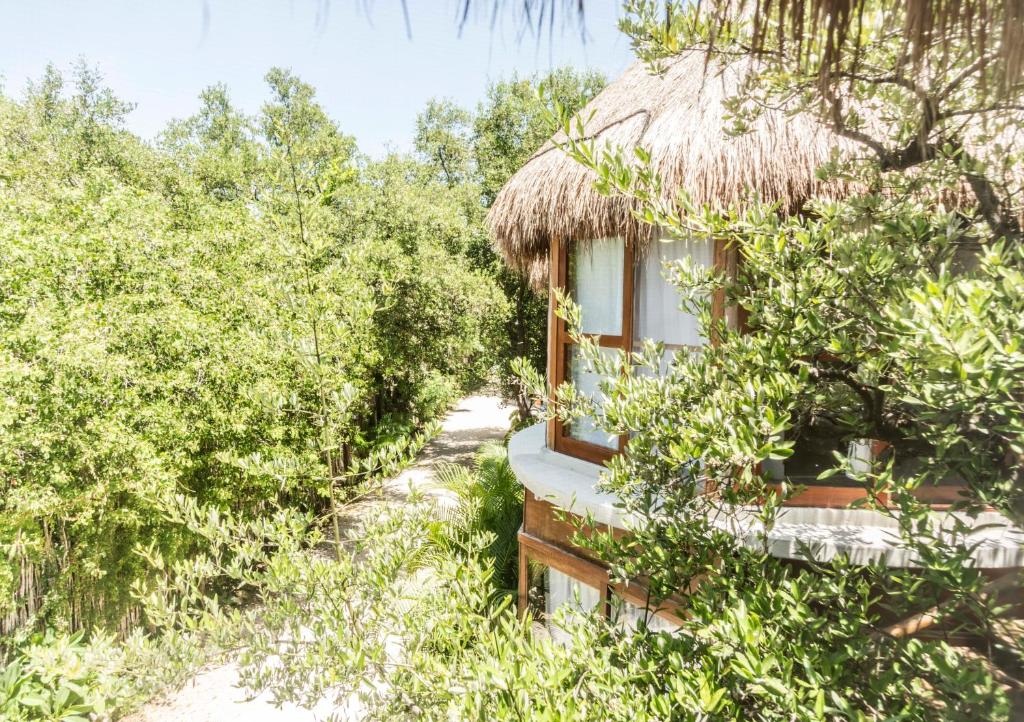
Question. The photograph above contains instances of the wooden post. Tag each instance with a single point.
(524, 578)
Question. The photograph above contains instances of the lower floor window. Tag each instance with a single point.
(556, 596)
(564, 591)
(555, 584)
(630, 616)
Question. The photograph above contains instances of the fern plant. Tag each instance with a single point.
(487, 500)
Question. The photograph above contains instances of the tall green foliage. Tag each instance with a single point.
(442, 136)
(478, 152)
(889, 315)
(318, 290)
(247, 313)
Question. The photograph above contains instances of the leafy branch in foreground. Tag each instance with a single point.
(893, 315)
(398, 639)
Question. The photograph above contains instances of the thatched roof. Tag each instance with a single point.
(678, 117)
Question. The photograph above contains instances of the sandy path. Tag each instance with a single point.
(212, 695)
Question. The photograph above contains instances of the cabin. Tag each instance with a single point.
(550, 223)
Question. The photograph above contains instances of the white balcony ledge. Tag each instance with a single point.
(564, 481)
(862, 535)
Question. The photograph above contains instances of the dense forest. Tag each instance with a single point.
(247, 312)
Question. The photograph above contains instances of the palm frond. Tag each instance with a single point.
(488, 502)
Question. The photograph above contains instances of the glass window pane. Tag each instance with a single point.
(550, 590)
(814, 451)
(595, 284)
(569, 593)
(586, 381)
(656, 300)
(537, 588)
(563, 589)
(630, 615)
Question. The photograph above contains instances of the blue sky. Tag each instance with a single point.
(372, 78)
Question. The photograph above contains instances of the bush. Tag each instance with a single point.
(488, 505)
(167, 325)
(60, 677)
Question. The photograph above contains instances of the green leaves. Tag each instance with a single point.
(488, 505)
(880, 316)
(57, 678)
(166, 326)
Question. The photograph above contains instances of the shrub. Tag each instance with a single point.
(488, 505)
(60, 677)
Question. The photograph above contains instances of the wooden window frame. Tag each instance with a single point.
(559, 345)
(559, 342)
(724, 259)
(535, 549)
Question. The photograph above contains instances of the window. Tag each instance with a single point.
(656, 306)
(595, 275)
(598, 277)
(656, 312)
(622, 301)
(586, 380)
(629, 616)
(554, 592)
(552, 579)
(814, 450)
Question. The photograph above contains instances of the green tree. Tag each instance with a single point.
(247, 314)
(517, 118)
(474, 154)
(306, 152)
(119, 374)
(442, 139)
(217, 146)
(437, 321)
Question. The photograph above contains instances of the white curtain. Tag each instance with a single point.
(630, 616)
(596, 276)
(567, 591)
(656, 300)
(586, 382)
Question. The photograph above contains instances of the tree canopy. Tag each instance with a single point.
(218, 315)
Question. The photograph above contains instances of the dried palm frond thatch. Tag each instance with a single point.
(680, 118)
(827, 34)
